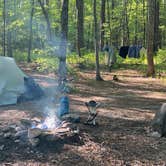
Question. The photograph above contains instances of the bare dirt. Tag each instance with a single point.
(121, 138)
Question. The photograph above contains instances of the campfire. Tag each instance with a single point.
(52, 129)
(55, 126)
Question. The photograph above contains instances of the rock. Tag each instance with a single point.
(21, 133)
(7, 135)
(36, 120)
(26, 122)
(76, 131)
(35, 132)
(5, 129)
(34, 141)
(18, 128)
(2, 147)
(159, 121)
(73, 118)
(13, 126)
(17, 141)
(155, 134)
(51, 138)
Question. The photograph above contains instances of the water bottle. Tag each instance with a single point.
(64, 106)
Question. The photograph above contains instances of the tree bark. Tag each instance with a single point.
(102, 31)
(46, 15)
(136, 25)
(9, 44)
(144, 24)
(126, 24)
(4, 28)
(150, 38)
(98, 77)
(108, 20)
(156, 26)
(62, 70)
(80, 26)
(30, 33)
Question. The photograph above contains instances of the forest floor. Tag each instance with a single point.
(121, 138)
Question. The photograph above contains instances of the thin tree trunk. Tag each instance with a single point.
(98, 77)
(102, 21)
(150, 38)
(136, 24)
(45, 12)
(108, 20)
(80, 25)
(30, 34)
(4, 28)
(144, 24)
(88, 38)
(156, 26)
(9, 44)
(8, 31)
(62, 70)
(125, 24)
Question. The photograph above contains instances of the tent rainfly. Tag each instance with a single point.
(15, 85)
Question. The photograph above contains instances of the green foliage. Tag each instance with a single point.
(18, 17)
(87, 60)
(20, 56)
(160, 58)
(141, 60)
(160, 61)
(46, 63)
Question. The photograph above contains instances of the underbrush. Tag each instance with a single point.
(49, 63)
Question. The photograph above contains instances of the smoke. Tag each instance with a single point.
(48, 105)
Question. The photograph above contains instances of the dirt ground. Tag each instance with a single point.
(121, 138)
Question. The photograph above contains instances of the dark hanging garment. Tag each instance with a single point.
(124, 51)
(134, 51)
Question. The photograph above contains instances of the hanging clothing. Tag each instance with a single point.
(124, 51)
(143, 52)
(110, 55)
(134, 51)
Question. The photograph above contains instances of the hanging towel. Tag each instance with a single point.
(143, 52)
(110, 55)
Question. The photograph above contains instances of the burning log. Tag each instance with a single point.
(63, 132)
(34, 132)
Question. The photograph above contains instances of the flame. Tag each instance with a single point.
(50, 122)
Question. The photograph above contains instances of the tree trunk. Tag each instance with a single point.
(80, 26)
(144, 24)
(8, 40)
(4, 28)
(136, 24)
(150, 38)
(30, 33)
(9, 44)
(102, 31)
(88, 38)
(62, 70)
(108, 20)
(45, 12)
(98, 77)
(125, 24)
(156, 26)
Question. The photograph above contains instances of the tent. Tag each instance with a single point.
(15, 85)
